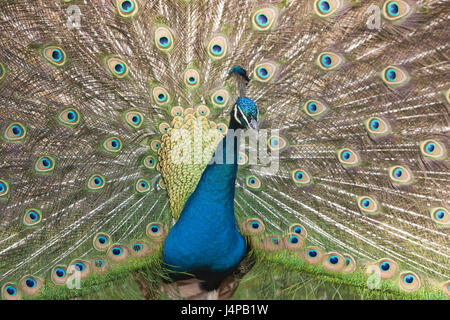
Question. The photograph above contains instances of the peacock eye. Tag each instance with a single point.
(377, 126)
(14, 132)
(30, 285)
(253, 226)
(44, 164)
(192, 78)
(142, 186)
(163, 39)
(9, 292)
(133, 118)
(388, 268)
(202, 110)
(293, 242)
(150, 162)
(69, 117)
(276, 143)
(395, 10)
(301, 177)
(433, 149)
(265, 71)
(32, 217)
(54, 55)
(217, 47)
(4, 188)
(102, 241)
(160, 95)
(117, 67)
(315, 109)
(127, 8)
(329, 60)
(220, 98)
(155, 231)
(155, 145)
(313, 255)
(264, 18)
(59, 275)
(440, 215)
(368, 205)
(298, 229)
(400, 175)
(409, 281)
(2, 71)
(253, 182)
(96, 182)
(393, 75)
(112, 144)
(348, 157)
(117, 253)
(350, 264)
(326, 8)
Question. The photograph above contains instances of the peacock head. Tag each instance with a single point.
(244, 114)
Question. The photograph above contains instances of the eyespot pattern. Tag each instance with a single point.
(350, 264)
(253, 226)
(395, 10)
(440, 215)
(54, 55)
(32, 217)
(139, 249)
(99, 265)
(400, 175)
(387, 268)
(242, 159)
(14, 132)
(202, 110)
(433, 149)
(150, 162)
(44, 164)
(96, 182)
(164, 39)
(273, 243)
(134, 119)
(348, 157)
(301, 177)
(69, 117)
(446, 288)
(377, 126)
(329, 60)
(253, 182)
(293, 242)
(265, 71)
(155, 145)
(155, 231)
(82, 267)
(177, 111)
(222, 128)
(117, 67)
(102, 241)
(160, 95)
(368, 205)
(142, 186)
(127, 8)
(4, 188)
(264, 18)
(162, 184)
(298, 229)
(313, 255)
(192, 78)
(10, 292)
(117, 253)
(220, 98)
(326, 8)
(163, 127)
(217, 47)
(112, 144)
(59, 275)
(393, 75)
(30, 285)
(2, 71)
(333, 262)
(409, 281)
(276, 143)
(315, 109)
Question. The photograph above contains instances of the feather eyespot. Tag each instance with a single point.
(177, 111)
(348, 157)
(30, 285)
(377, 126)
(326, 8)
(400, 175)
(150, 162)
(395, 10)
(350, 264)
(117, 253)
(142, 186)
(112, 144)
(14, 132)
(69, 117)
(387, 268)
(315, 109)
(313, 255)
(163, 127)
(155, 231)
(222, 128)
(44, 164)
(220, 98)
(433, 149)
(2, 71)
(55, 55)
(127, 8)
(440, 215)
(393, 75)
(329, 60)
(99, 265)
(139, 249)
(117, 67)
(265, 71)
(4, 188)
(333, 262)
(298, 229)
(134, 119)
(253, 182)
(253, 226)
(264, 18)
(81, 267)
(163, 39)
(273, 243)
(217, 47)
(160, 95)
(10, 292)
(192, 78)
(301, 177)
(368, 205)
(242, 159)
(32, 217)
(202, 110)
(155, 145)
(409, 281)
(293, 242)
(276, 143)
(102, 241)
(59, 275)
(96, 182)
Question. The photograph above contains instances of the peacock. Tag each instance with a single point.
(216, 149)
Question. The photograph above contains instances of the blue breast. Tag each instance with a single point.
(205, 236)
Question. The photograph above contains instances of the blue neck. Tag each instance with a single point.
(205, 236)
